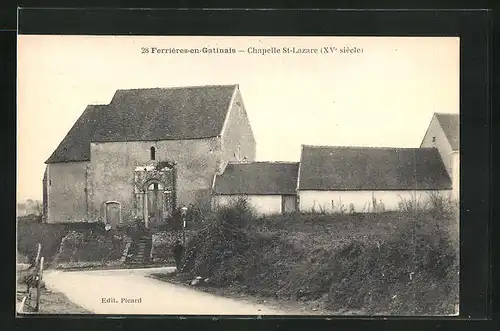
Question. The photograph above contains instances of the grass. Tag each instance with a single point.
(57, 303)
(403, 263)
(50, 302)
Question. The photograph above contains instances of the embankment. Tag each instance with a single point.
(395, 263)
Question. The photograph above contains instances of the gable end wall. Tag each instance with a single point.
(66, 191)
(238, 133)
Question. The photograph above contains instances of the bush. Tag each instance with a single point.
(134, 230)
(238, 213)
(223, 237)
(436, 204)
(443, 206)
(163, 243)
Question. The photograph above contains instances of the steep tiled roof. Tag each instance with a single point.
(451, 127)
(259, 178)
(76, 145)
(165, 114)
(148, 115)
(363, 168)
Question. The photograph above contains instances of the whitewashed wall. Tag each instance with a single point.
(361, 200)
(441, 143)
(263, 204)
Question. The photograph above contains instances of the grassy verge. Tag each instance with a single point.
(50, 302)
(390, 263)
(56, 303)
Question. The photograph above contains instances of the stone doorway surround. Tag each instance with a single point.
(161, 173)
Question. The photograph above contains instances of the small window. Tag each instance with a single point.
(153, 153)
(433, 139)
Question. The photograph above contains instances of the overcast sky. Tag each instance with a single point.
(384, 96)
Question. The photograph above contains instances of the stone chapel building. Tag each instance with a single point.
(145, 153)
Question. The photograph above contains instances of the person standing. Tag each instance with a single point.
(178, 254)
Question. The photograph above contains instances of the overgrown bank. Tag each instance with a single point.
(76, 245)
(383, 263)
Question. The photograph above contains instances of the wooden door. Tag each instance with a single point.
(155, 203)
(113, 214)
(168, 203)
(288, 203)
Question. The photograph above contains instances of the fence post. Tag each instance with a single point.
(20, 309)
(39, 251)
(39, 284)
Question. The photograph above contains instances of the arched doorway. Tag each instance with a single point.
(158, 204)
(154, 202)
(155, 193)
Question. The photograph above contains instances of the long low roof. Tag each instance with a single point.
(257, 178)
(371, 168)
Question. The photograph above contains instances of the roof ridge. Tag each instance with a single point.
(440, 113)
(176, 87)
(261, 162)
(361, 147)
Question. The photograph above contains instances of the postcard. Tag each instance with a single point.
(200, 175)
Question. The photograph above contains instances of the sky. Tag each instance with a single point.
(383, 96)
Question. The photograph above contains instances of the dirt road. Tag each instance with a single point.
(130, 291)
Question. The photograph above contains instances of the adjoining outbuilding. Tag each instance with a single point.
(270, 187)
(368, 179)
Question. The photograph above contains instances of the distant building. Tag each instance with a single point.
(145, 153)
(28, 207)
(270, 187)
(443, 133)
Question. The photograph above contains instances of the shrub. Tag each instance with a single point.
(414, 205)
(222, 240)
(163, 242)
(443, 206)
(436, 204)
(134, 229)
(238, 213)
